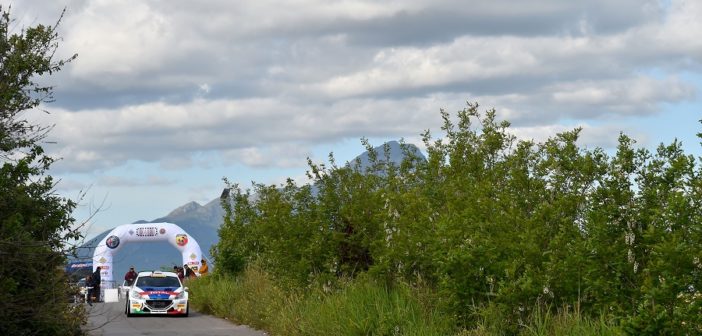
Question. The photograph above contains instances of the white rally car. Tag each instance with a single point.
(157, 293)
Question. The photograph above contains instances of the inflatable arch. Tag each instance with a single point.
(148, 232)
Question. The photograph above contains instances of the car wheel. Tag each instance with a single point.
(126, 310)
(187, 310)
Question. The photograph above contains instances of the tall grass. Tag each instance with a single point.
(362, 307)
(359, 307)
(568, 322)
(544, 322)
(252, 299)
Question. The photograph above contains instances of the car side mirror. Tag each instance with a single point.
(186, 289)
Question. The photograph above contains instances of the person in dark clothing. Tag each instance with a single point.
(187, 272)
(95, 284)
(179, 271)
(130, 276)
(88, 288)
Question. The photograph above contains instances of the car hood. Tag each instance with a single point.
(155, 293)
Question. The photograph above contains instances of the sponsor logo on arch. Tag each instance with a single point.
(112, 242)
(147, 231)
(181, 239)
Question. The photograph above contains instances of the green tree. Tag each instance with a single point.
(35, 223)
(502, 230)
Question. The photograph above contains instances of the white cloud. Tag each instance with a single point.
(602, 136)
(122, 181)
(193, 91)
(632, 92)
(255, 132)
(117, 40)
(262, 82)
(204, 88)
(280, 155)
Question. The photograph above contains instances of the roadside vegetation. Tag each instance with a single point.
(354, 307)
(35, 223)
(488, 235)
(361, 307)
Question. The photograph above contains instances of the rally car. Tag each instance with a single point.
(157, 293)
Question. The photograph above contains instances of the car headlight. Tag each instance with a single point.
(180, 295)
(134, 295)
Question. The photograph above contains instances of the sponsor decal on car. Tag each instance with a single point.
(158, 294)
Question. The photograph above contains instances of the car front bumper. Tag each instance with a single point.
(147, 306)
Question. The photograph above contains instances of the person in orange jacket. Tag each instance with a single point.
(203, 269)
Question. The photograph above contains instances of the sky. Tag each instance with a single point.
(167, 97)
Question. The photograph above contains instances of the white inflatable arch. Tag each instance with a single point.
(148, 232)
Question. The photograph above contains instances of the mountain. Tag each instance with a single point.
(201, 222)
(395, 154)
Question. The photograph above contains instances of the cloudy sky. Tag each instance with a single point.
(169, 96)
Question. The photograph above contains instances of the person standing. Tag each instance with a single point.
(188, 272)
(95, 284)
(179, 271)
(203, 269)
(130, 276)
(88, 288)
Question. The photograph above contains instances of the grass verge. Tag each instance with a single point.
(361, 307)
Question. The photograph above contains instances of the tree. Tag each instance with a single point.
(503, 230)
(35, 223)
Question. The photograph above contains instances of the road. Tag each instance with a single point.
(109, 319)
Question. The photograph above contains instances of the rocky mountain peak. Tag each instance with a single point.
(185, 208)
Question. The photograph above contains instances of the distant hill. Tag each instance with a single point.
(201, 222)
(395, 154)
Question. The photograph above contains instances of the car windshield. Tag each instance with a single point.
(164, 281)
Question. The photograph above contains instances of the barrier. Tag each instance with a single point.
(111, 295)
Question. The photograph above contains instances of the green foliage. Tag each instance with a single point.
(35, 223)
(358, 307)
(366, 308)
(498, 227)
(251, 298)
(567, 322)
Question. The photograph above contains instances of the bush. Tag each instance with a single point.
(366, 308)
(358, 307)
(493, 224)
(251, 299)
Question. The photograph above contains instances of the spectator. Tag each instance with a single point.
(95, 284)
(88, 288)
(130, 276)
(187, 272)
(179, 271)
(203, 269)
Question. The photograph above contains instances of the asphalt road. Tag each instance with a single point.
(109, 319)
